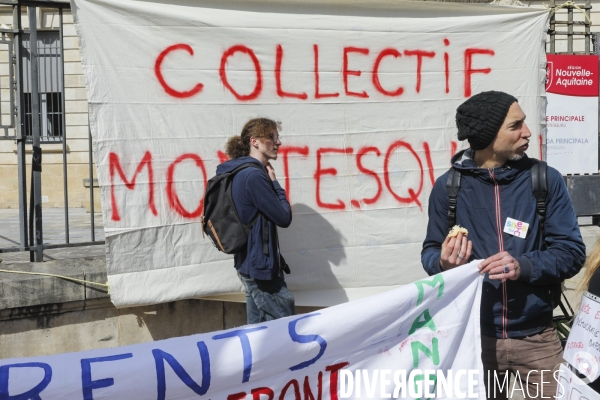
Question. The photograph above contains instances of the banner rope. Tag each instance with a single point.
(104, 285)
(568, 4)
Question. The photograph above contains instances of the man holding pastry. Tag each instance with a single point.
(524, 259)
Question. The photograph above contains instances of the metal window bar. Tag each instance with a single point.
(50, 105)
(20, 139)
(7, 109)
(7, 40)
(91, 172)
(63, 132)
(35, 210)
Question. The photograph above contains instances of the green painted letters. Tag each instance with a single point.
(427, 322)
(437, 280)
(434, 354)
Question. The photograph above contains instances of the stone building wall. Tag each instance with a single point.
(76, 121)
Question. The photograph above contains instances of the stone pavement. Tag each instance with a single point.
(53, 233)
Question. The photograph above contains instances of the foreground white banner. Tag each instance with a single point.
(424, 336)
(366, 92)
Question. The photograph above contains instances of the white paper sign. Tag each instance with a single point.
(570, 387)
(366, 93)
(429, 327)
(582, 350)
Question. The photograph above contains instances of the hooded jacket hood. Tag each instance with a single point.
(230, 165)
(463, 161)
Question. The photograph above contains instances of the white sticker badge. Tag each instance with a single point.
(516, 228)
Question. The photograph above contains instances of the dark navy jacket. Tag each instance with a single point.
(253, 195)
(528, 300)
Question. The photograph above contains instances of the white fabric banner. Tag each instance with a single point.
(366, 93)
(423, 336)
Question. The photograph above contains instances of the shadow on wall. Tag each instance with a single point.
(52, 329)
(313, 248)
(185, 317)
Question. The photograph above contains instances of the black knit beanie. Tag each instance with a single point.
(480, 117)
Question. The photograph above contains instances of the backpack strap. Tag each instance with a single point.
(230, 179)
(265, 223)
(452, 187)
(539, 186)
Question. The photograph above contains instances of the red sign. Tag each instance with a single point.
(572, 75)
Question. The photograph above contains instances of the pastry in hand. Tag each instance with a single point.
(456, 229)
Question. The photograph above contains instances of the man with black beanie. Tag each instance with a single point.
(522, 263)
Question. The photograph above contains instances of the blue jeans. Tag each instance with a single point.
(267, 300)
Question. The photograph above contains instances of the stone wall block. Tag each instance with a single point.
(73, 68)
(77, 132)
(94, 270)
(234, 314)
(76, 119)
(71, 43)
(59, 333)
(174, 319)
(77, 106)
(69, 30)
(74, 81)
(75, 94)
(67, 17)
(21, 290)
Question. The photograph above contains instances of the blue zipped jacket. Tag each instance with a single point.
(490, 195)
(253, 194)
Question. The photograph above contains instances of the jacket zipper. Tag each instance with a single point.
(500, 249)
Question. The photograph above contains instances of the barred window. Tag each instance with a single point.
(50, 86)
(51, 115)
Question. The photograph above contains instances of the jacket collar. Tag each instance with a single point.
(463, 161)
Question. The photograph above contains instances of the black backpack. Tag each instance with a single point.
(220, 219)
(539, 187)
